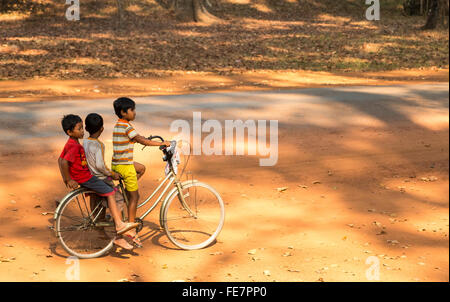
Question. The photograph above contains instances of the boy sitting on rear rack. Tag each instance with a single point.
(74, 171)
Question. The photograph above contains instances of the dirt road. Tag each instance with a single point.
(366, 171)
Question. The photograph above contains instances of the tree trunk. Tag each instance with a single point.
(437, 14)
(190, 10)
(201, 13)
(119, 13)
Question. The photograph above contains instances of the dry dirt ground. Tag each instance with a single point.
(366, 171)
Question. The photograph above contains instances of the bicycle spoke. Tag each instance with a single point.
(85, 205)
(194, 223)
(77, 230)
(81, 220)
(79, 206)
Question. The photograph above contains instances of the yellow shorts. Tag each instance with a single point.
(128, 173)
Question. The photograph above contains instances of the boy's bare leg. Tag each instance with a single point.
(133, 198)
(115, 213)
(140, 169)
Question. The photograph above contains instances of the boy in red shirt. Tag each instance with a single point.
(75, 171)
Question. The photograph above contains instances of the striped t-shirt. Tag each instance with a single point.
(122, 143)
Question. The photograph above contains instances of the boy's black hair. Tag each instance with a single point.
(93, 122)
(123, 104)
(69, 122)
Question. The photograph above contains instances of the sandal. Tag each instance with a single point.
(128, 226)
(137, 243)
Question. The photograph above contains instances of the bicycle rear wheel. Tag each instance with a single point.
(198, 223)
(80, 225)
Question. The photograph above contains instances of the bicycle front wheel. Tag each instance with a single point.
(196, 223)
(81, 226)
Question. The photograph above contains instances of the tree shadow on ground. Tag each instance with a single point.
(149, 43)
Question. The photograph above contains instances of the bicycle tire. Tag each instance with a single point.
(63, 212)
(178, 232)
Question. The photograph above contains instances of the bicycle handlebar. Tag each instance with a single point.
(155, 136)
(167, 150)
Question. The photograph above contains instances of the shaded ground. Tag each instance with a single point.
(259, 36)
(379, 153)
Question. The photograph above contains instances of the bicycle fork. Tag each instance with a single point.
(183, 201)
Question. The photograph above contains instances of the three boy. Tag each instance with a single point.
(86, 167)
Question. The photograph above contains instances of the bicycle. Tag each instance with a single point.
(191, 221)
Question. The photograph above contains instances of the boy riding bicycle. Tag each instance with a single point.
(124, 138)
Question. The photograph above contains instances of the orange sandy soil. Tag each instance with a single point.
(383, 192)
(201, 82)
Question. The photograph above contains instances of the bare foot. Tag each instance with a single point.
(123, 244)
(125, 227)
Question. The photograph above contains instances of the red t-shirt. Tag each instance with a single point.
(73, 152)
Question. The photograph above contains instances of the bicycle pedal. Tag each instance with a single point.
(141, 224)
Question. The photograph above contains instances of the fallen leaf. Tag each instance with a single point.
(293, 271)
(392, 241)
(216, 253)
(378, 224)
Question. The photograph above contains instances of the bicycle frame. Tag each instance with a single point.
(170, 178)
